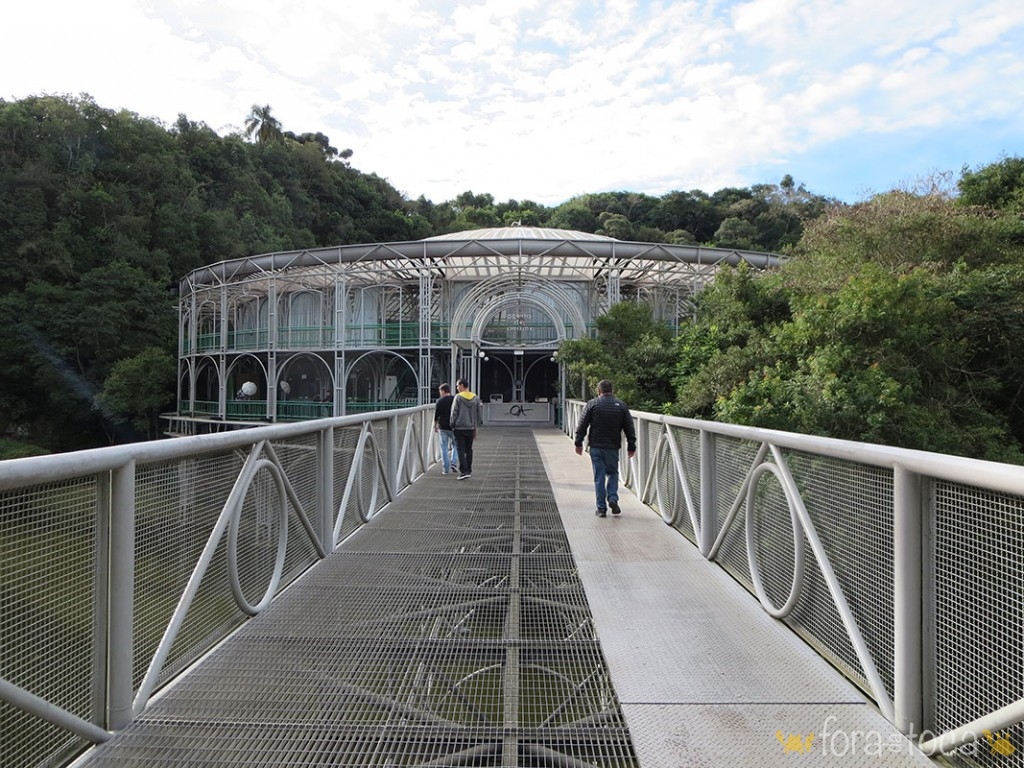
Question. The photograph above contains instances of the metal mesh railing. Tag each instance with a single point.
(48, 590)
(976, 612)
(123, 566)
(873, 555)
(178, 504)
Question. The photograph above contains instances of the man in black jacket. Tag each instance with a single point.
(606, 418)
(443, 427)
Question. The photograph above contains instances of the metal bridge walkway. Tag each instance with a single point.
(458, 629)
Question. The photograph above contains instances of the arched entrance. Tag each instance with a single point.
(508, 329)
(518, 376)
(379, 380)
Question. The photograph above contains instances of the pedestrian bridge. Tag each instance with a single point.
(318, 594)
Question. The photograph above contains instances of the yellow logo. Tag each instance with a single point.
(794, 742)
(1000, 743)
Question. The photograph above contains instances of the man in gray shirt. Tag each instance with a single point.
(467, 415)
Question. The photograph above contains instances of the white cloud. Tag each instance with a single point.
(544, 100)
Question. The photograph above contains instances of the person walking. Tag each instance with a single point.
(443, 427)
(467, 414)
(606, 419)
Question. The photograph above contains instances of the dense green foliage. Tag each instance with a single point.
(897, 320)
(632, 349)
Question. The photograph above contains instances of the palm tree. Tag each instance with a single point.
(260, 122)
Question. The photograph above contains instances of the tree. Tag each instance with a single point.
(574, 216)
(320, 140)
(719, 348)
(138, 389)
(880, 361)
(900, 327)
(615, 225)
(467, 200)
(632, 349)
(265, 127)
(999, 185)
(690, 211)
(736, 233)
(680, 237)
(104, 211)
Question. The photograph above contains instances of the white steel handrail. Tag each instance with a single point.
(35, 470)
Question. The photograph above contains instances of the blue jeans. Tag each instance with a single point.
(447, 439)
(606, 475)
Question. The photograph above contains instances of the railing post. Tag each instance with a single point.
(121, 588)
(430, 444)
(394, 446)
(708, 493)
(325, 485)
(908, 662)
(101, 614)
(643, 456)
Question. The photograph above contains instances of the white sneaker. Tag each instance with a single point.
(465, 477)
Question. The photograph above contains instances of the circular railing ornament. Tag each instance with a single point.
(669, 512)
(354, 485)
(282, 542)
(367, 511)
(798, 546)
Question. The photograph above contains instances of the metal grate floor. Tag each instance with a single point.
(452, 630)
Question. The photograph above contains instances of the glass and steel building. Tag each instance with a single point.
(334, 331)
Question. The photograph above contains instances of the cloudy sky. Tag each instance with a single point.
(547, 99)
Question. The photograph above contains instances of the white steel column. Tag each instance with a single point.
(340, 394)
(908, 663)
(426, 311)
(708, 493)
(120, 634)
(272, 337)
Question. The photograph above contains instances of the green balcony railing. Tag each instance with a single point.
(247, 409)
(353, 407)
(392, 335)
(303, 410)
(248, 338)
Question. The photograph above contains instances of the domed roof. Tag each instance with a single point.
(521, 233)
(479, 254)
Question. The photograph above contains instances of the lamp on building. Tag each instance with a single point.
(483, 355)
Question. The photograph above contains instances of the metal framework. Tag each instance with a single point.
(333, 331)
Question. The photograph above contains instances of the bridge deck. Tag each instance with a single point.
(466, 626)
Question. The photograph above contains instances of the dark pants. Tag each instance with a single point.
(464, 444)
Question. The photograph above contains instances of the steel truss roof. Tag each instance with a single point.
(471, 256)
